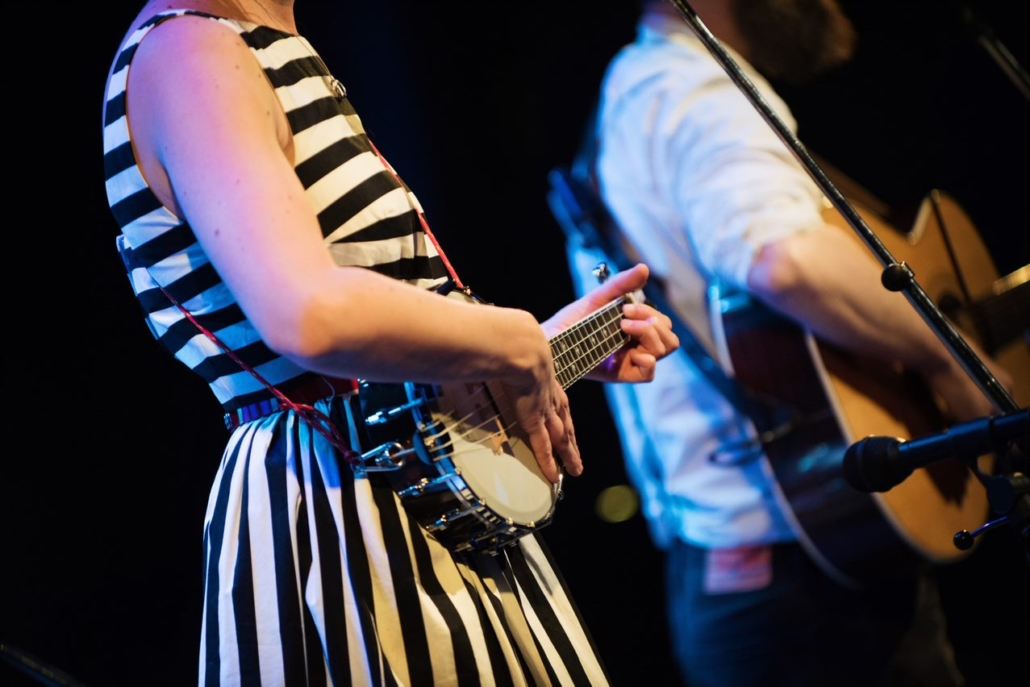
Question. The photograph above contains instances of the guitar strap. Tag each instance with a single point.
(577, 204)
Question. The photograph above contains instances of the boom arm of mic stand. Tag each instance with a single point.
(995, 48)
(896, 276)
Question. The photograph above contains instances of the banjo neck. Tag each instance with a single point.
(578, 349)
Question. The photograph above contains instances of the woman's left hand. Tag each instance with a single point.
(650, 331)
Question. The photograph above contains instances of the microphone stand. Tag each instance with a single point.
(895, 277)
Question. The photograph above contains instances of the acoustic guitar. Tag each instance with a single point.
(858, 537)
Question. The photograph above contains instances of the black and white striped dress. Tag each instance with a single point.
(314, 576)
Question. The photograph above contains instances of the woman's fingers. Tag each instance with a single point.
(564, 438)
(545, 419)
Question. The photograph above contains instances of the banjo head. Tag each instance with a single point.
(475, 484)
(491, 455)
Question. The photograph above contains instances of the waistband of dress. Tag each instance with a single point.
(305, 393)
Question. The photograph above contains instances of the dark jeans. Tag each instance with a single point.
(803, 629)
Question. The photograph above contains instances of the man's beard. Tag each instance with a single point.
(795, 40)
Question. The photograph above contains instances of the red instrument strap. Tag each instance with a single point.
(318, 420)
(421, 217)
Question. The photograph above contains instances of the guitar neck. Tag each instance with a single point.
(588, 343)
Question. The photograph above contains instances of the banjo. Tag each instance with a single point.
(454, 454)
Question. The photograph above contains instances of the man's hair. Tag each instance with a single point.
(795, 40)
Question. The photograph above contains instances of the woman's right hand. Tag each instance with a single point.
(541, 408)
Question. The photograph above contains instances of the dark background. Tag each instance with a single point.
(112, 445)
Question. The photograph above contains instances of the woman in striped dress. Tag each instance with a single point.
(278, 255)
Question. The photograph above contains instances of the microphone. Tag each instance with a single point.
(881, 463)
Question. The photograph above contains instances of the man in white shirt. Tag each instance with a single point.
(706, 192)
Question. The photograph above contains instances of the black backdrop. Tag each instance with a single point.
(113, 446)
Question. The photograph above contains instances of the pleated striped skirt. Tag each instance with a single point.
(315, 577)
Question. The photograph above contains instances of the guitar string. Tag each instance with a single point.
(503, 410)
(505, 429)
(581, 371)
(602, 343)
(612, 319)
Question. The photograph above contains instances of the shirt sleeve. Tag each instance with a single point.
(735, 183)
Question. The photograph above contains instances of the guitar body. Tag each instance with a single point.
(854, 536)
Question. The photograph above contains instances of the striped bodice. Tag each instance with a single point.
(368, 218)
